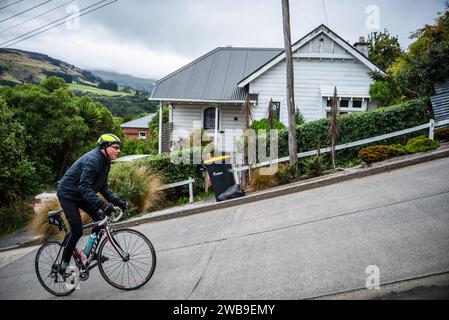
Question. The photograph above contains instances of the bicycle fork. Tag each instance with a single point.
(116, 246)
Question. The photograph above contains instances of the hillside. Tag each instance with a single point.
(17, 67)
(125, 80)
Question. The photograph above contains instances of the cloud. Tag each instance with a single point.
(95, 47)
(154, 38)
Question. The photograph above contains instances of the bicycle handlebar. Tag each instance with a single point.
(112, 217)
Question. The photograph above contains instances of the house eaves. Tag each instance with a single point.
(308, 37)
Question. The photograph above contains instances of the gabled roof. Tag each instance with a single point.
(138, 123)
(311, 35)
(214, 76)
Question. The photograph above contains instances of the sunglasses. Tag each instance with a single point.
(115, 147)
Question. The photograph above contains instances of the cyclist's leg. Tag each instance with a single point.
(72, 213)
(92, 212)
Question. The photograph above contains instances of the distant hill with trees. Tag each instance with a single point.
(124, 80)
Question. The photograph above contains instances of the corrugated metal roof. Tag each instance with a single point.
(213, 76)
(138, 123)
(440, 102)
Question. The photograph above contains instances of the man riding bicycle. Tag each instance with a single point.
(78, 189)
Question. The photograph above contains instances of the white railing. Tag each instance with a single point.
(431, 125)
(190, 182)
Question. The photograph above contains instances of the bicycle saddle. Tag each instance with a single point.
(52, 214)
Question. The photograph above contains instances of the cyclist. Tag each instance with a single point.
(78, 190)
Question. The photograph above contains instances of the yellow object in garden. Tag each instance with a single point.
(211, 160)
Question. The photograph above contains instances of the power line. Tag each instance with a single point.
(11, 4)
(48, 24)
(308, 17)
(106, 4)
(325, 13)
(40, 15)
(32, 8)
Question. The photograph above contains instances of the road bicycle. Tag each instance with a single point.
(127, 262)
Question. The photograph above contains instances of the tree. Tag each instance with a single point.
(414, 72)
(427, 59)
(56, 132)
(292, 144)
(16, 170)
(299, 117)
(383, 49)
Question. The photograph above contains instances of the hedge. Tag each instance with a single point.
(358, 126)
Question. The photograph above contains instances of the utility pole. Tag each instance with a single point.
(292, 144)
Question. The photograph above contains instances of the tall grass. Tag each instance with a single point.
(137, 183)
(39, 225)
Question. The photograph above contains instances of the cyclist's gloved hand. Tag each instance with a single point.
(108, 209)
(122, 205)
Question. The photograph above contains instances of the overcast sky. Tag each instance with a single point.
(152, 38)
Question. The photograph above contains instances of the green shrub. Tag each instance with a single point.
(264, 125)
(314, 166)
(421, 144)
(286, 173)
(380, 152)
(14, 215)
(136, 146)
(361, 125)
(397, 150)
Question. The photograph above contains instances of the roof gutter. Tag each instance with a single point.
(194, 101)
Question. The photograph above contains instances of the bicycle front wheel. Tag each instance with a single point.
(47, 257)
(138, 267)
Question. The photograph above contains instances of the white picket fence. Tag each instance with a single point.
(431, 125)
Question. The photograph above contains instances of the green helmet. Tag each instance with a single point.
(108, 139)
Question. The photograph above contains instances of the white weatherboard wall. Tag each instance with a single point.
(317, 64)
(185, 115)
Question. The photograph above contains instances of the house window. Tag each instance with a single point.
(344, 103)
(329, 102)
(277, 109)
(142, 134)
(209, 119)
(357, 103)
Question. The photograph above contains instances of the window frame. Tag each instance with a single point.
(140, 134)
(203, 113)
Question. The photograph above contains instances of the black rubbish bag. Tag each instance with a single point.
(233, 192)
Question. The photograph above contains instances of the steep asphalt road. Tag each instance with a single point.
(303, 245)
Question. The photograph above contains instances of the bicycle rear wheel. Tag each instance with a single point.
(47, 257)
(133, 272)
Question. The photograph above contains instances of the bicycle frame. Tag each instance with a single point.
(105, 230)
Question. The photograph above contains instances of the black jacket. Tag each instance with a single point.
(87, 176)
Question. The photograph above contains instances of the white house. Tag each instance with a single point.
(212, 89)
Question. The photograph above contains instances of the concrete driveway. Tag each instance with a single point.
(310, 244)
